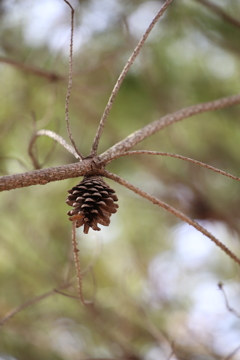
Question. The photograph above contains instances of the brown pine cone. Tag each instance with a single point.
(93, 202)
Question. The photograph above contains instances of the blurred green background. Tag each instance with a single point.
(154, 279)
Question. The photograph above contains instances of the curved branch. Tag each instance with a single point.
(173, 211)
(123, 75)
(176, 156)
(53, 136)
(150, 129)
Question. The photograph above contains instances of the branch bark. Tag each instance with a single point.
(44, 176)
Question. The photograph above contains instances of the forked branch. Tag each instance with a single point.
(123, 75)
(42, 177)
(173, 211)
(37, 299)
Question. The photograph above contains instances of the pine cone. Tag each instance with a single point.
(93, 202)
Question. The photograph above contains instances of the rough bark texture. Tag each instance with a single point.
(44, 176)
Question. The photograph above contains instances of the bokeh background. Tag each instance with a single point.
(154, 279)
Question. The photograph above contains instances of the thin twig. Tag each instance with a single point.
(147, 152)
(53, 136)
(36, 299)
(77, 262)
(172, 210)
(220, 12)
(229, 308)
(67, 295)
(150, 129)
(77, 266)
(157, 335)
(83, 271)
(70, 76)
(122, 77)
(52, 76)
(32, 301)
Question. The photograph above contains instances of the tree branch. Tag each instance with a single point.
(52, 76)
(220, 12)
(32, 301)
(150, 129)
(123, 75)
(53, 136)
(78, 267)
(173, 211)
(229, 308)
(45, 295)
(70, 77)
(44, 176)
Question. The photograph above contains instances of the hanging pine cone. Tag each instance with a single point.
(93, 202)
